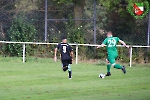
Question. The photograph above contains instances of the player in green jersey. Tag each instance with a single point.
(110, 42)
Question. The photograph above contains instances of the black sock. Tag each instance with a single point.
(69, 74)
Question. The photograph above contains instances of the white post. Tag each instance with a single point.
(130, 56)
(76, 53)
(24, 50)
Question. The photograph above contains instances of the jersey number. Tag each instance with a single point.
(111, 43)
(64, 49)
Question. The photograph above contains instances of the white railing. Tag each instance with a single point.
(24, 48)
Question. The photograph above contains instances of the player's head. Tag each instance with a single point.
(64, 40)
(109, 34)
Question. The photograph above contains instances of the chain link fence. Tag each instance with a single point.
(75, 23)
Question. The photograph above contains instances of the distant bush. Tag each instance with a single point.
(20, 31)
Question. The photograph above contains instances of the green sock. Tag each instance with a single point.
(117, 66)
(108, 68)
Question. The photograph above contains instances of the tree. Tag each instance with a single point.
(20, 31)
(122, 23)
(7, 9)
(78, 8)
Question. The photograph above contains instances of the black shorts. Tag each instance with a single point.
(66, 62)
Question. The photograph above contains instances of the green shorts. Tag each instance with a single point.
(112, 58)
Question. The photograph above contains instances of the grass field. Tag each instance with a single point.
(43, 79)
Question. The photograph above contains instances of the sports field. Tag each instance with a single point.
(43, 79)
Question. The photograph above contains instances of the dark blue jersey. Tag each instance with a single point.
(65, 50)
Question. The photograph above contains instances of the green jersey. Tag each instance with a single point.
(111, 43)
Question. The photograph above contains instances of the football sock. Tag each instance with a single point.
(108, 68)
(117, 66)
(69, 68)
(69, 71)
(69, 74)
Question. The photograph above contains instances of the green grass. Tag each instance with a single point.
(43, 79)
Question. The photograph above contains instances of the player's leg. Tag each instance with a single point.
(118, 66)
(69, 68)
(64, 65)
(108, 70)
(109, 60)
(112, 61)
(65, 68)
(69, 71)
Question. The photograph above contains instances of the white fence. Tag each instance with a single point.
(93, 45)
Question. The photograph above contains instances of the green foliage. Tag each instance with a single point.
(63, 1)
(76, 34)
(148, 53)
(20, 31)
(101, 53)
(111, 15)
(123, 54)
(76, 2)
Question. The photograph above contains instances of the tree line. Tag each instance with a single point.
(23, 20)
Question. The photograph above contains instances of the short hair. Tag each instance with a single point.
(63, 38)
(109, 32)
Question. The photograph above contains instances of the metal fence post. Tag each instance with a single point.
(94, 30)
(24, 50)
(130, 56)
(148, 33)
(76, 53)
(45, 20)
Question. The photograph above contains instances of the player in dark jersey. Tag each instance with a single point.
(66, 56)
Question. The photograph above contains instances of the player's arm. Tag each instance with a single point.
(72, 55)
(55, 54)
(122, 42)
(102, 45)
(71, 52)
